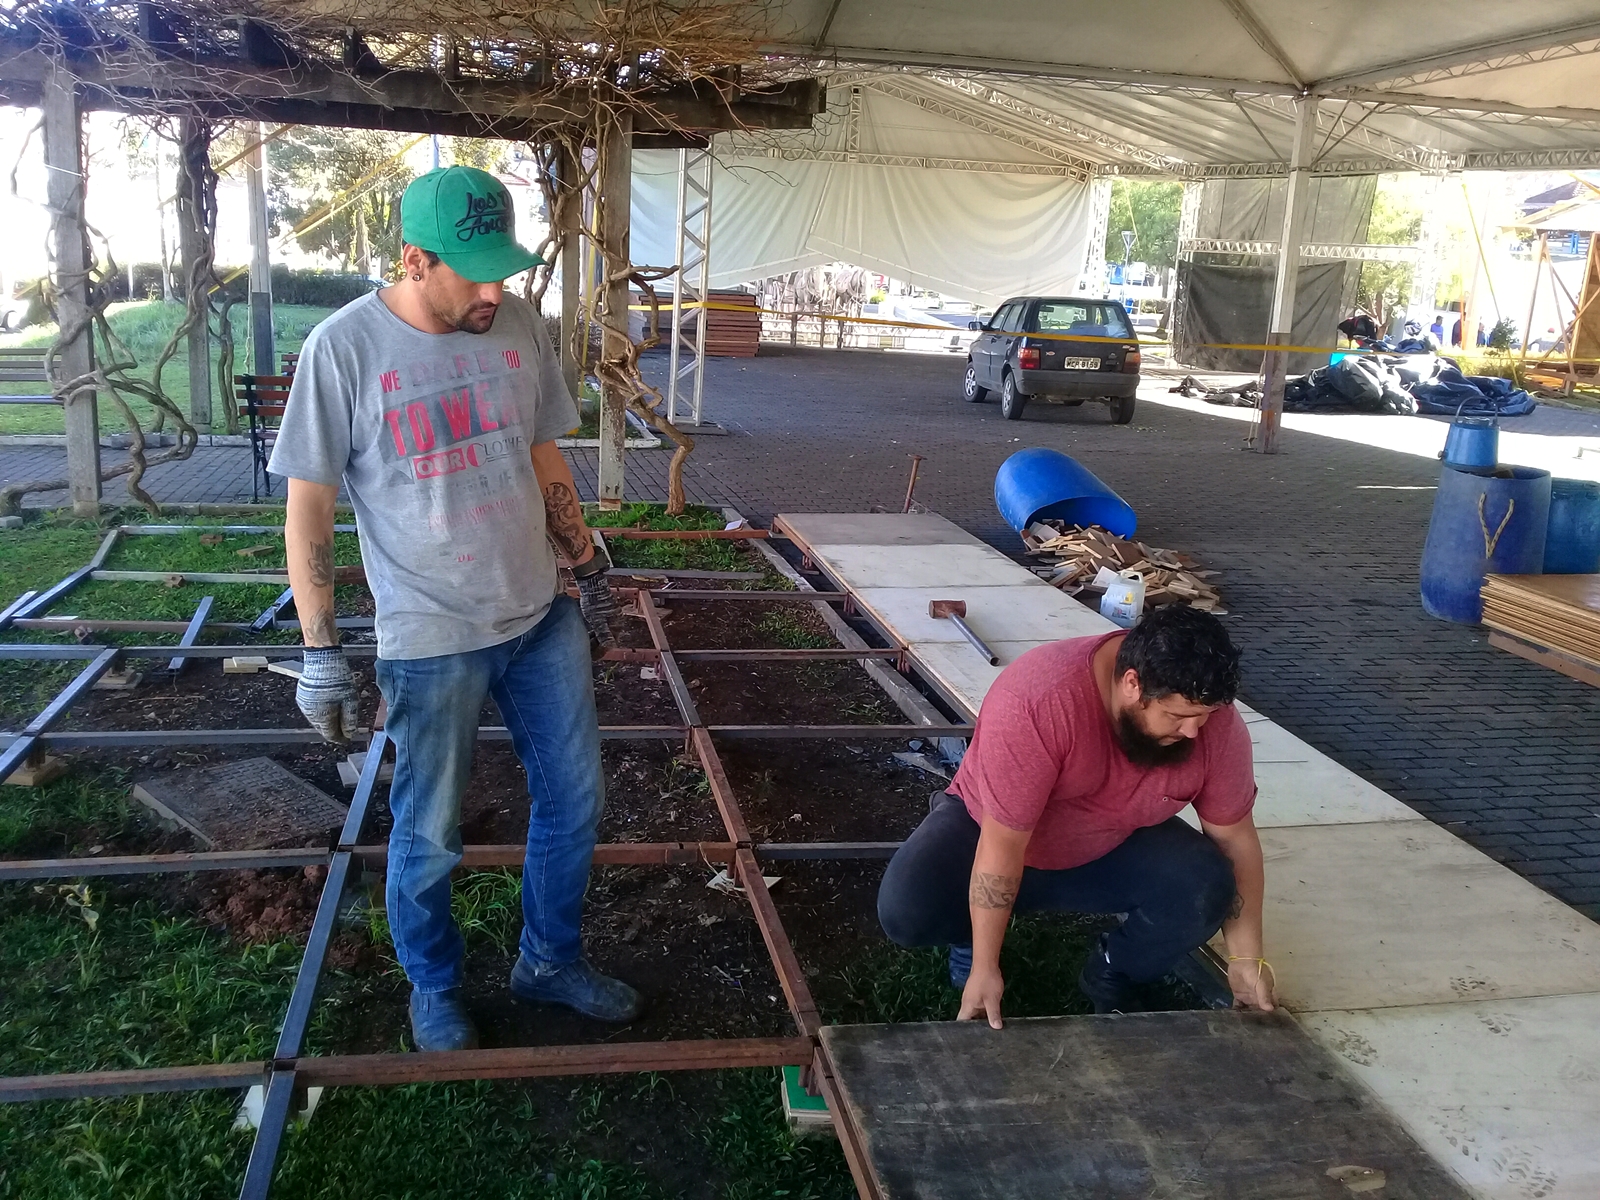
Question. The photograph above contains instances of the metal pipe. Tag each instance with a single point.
(26, 742)
(978, 643)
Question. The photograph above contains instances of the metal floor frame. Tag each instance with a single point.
(289, 1071)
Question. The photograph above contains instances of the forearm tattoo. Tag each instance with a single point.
(1236, 909)
(564, 521)
(321, 630)
(321, 564)
(993, 891)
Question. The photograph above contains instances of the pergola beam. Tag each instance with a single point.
(403, 101)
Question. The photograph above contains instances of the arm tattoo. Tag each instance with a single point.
(993, 891)
(564, 519)
(1236, 909)
(322, 564)
(321, 630)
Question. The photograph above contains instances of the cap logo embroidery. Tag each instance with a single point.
(485, 214)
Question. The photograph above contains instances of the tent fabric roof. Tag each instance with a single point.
(1205, 87)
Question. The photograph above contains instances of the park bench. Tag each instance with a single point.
(264, 398)
(24, 366)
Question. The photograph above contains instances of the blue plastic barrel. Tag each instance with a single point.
(1572, 537)
(1472, 442)
(1037, 482)
(1482, 524)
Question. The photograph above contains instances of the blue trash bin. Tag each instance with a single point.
(1482, 523)
(1037, 482)
(1572, 537)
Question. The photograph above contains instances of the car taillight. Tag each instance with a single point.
(1028, 358)
(1130, 363)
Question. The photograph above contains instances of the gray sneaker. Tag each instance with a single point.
(580, 987)
(439, 1021)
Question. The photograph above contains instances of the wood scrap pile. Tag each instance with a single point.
(1559, 612)
(1075, 555)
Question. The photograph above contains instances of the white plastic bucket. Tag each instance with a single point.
(1124, 599)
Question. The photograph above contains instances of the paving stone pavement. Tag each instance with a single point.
(1318, 549)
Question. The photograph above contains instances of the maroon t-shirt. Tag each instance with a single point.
(1045, 758)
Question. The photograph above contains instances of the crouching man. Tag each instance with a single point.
(1084, 753)
(437, 402)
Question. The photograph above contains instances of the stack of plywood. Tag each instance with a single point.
(1559, 613)
(733, 325)
(1077, 554)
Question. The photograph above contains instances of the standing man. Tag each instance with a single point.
(437, 401)
(1084, 753)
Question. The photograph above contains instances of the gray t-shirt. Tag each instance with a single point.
(431, 434)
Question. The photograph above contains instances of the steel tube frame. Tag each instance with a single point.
(289, 1070)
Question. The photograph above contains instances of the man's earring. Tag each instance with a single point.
(418, 278)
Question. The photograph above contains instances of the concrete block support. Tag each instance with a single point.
(1279, 330)
(63, 157)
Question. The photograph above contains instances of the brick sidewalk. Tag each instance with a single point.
(1318, 558)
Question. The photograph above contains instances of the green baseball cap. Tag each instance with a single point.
(464, 215)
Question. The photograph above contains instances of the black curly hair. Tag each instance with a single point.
(1178, 650)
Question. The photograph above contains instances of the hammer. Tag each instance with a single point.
(954, 610)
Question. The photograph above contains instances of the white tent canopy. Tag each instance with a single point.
(976, 231)
(1191, 86)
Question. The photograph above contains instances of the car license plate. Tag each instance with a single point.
(1080, 364)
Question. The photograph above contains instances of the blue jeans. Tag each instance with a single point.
(1171, 880)
(543, 684)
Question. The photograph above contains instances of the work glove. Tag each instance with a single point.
(598, 606)
(327, 693)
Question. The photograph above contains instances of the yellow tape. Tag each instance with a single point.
(1538, 364)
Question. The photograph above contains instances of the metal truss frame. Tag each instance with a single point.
(691, 283)
(965, 111)
(290, 1070)
(1337, 251)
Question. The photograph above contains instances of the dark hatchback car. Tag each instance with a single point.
(1063, 349)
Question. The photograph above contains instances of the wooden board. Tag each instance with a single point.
(1506, 1091)
(873, 529)
(1389, 913)
(1183, 1106)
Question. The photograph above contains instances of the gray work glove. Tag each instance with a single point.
(327, 693)
(598, 606)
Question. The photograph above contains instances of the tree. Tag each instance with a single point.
(358, 173)
(1396, 221)
(1151, 209)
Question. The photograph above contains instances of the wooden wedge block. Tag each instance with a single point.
(244, 664)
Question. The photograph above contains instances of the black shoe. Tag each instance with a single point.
(1109, 990)
(580, 987)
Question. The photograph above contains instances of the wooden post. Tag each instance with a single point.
(63, 160)
(255, 177)
(192, 143)
(615, 199)
(1280, 330)
(568, 172)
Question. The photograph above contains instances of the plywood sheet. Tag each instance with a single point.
(1196, 1105)
(1019, 613)
(1302, 786)
(952, 567)
(874, 529)
(1401, 912)
(1506, 1092)
(961, 670)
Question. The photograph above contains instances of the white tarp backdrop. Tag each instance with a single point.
(980, 235)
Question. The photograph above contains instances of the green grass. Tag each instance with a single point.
(783, 626)
(138, 990)
(1042, 956)
(707, 554)
(145, 326)
(64, 817)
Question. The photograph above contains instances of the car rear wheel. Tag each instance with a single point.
(970, 388)
(1012, 402)
(1122, 410)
